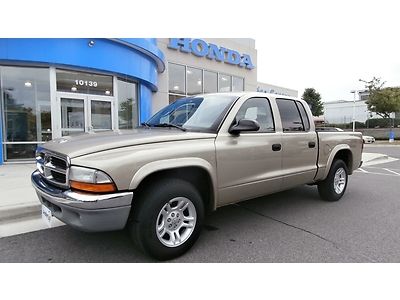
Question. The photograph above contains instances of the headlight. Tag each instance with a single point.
(90, 180)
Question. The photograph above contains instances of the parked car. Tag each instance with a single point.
(368, 139)
(195, 155)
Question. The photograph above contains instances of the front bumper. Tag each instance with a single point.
(86, 212)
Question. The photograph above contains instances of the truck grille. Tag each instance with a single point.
(53, 167)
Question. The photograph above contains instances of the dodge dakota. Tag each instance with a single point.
(193, 156)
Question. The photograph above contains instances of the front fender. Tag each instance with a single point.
(175, 163)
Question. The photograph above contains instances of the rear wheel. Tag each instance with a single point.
(167, 219)
(335, 184)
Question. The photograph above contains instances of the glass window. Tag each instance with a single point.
(304, 117)
(25, 96)
(173, 98)
(127, 105)
(176, 75)
(44, 110)
(258, 109)
(210, 82)
(20, 151)
(290, 116)
(224, 83)
(86, 83)
(194, 81)
(237, 84)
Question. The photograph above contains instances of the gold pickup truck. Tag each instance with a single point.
(195, 155)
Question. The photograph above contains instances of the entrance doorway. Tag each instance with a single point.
(84, 113)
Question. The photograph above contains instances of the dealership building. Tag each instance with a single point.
(56, 87)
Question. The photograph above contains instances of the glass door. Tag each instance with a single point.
(100, 116)
(82, 113)
(72, 116)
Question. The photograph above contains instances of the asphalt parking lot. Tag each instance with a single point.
(292, 226)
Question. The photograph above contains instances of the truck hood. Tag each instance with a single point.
(95, 142)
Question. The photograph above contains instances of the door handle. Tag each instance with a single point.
(311, 144)
(276, 147)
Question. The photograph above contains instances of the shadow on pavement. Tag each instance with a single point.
(64, 244)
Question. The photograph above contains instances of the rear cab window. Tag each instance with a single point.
(291, 116)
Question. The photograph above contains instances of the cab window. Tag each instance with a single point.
(258, 109)
(290, 116)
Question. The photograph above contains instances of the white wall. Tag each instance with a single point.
(342, 112)
(275, 89)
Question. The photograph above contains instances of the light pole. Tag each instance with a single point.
(354, 109)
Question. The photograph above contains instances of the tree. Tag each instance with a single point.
(313, 98)
(382, 100)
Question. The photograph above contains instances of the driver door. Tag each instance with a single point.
(249, 164)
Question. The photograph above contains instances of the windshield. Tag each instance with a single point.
(199, 113)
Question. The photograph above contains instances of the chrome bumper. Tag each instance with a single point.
(86, 212)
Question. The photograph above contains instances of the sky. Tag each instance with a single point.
(330, 46)
(327, 45)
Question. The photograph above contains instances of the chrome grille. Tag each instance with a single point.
(53, 167)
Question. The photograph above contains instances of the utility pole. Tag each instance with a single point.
(354, 109)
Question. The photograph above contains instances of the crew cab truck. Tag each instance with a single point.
(195, 155)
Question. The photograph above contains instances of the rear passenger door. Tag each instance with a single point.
(299, 144)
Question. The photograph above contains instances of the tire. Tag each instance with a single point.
(152, 210)
(326, 188)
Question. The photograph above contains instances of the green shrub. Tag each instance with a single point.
(382, 123)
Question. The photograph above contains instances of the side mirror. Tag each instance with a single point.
(244, 125)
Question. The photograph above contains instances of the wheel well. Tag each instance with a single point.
(346, 156)
(197, 176)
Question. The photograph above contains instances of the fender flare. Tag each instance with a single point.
(333, 153)
(176, 163)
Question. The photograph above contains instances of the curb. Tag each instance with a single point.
(377, 156)
(9, 213)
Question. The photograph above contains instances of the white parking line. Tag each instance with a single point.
(362, 170)
(391, 171)
(375, 173)
(382, 168)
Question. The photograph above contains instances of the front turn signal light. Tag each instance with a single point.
(93, 187)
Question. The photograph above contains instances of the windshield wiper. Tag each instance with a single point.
(169, 125)
(145, 124)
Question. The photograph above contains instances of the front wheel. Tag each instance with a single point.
(335, 184)
(167, 218)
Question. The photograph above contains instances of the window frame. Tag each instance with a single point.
(298, 103)
(298, 111)
(272, 115)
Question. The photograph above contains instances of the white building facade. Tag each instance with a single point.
(209, 65)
